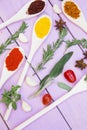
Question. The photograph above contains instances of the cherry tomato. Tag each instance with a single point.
(47, 99)
(70, 76)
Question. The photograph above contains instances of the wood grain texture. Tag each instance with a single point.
(73, 109)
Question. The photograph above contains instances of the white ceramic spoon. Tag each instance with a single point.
(36, 43)
(6, 74)
(80, 21)
(21, 15)
(79, 87)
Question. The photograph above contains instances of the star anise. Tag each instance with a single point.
(85, 55)
(60, 24)
(81, 64)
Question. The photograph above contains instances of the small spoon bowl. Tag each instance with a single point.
(80, 21)
(6, 74)
(22, 14)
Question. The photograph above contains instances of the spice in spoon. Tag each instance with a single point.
(36, 7)
(71, 9)
(13, 59)
(42, 27)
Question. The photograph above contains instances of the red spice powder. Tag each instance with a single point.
(13, 59)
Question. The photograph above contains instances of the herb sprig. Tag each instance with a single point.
(11, 97)
(51, 49)
(82, 42)
(56, 71)
(12, 39)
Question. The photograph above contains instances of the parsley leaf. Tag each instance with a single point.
(11, 97)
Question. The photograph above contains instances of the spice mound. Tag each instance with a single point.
(71, 9)
(13, 59)
(36, 7)
(42, 27)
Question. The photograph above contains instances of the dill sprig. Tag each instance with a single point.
(12, 38)
(51, 48)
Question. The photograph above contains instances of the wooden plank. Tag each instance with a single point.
(2, 125)
(74, 109)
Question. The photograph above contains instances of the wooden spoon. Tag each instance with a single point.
(80, 21)
(21, 15)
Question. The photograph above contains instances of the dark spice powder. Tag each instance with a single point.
(36, 7)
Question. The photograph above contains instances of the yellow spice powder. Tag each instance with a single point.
(71, 9)
(42, 27)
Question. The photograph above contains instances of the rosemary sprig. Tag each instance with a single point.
(12, 39)
(82, 42)
(11, 96)
(51, 48)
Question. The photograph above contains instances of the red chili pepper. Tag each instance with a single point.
(70, 76)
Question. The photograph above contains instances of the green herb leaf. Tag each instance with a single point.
(82, 42)
(85, 78)
(51, 49)
(11, 97)
(64, 86)
(14, 105)
(56, 70)
(62, 33)
(12, 39)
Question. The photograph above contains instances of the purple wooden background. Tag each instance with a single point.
(70, 115)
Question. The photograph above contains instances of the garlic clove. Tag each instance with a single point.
(25, 106)
(56, 9)
(23, 38)
(31, 82)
